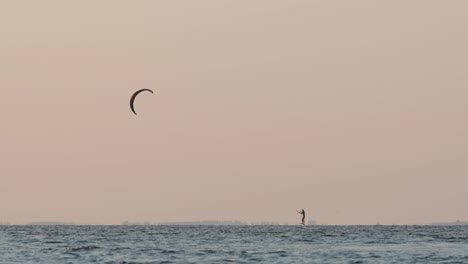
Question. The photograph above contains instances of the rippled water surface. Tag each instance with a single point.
(233, 244)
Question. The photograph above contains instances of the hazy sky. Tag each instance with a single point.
(355, 111)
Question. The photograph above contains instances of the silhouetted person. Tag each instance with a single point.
(303, 216)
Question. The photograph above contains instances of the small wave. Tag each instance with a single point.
(53, 242)
(84, 248)
(121, 248)
(278, 252)
(165, 251)
(209, 251)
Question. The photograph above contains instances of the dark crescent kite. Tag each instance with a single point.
(132, 100)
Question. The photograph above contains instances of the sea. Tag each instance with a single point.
(233, 244)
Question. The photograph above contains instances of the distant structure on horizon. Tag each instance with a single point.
(51, 223)
(136, 223)
(210, 223)
(458, 222)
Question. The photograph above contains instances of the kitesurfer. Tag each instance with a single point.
(303, 216)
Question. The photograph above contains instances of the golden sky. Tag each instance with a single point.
(355, 111)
